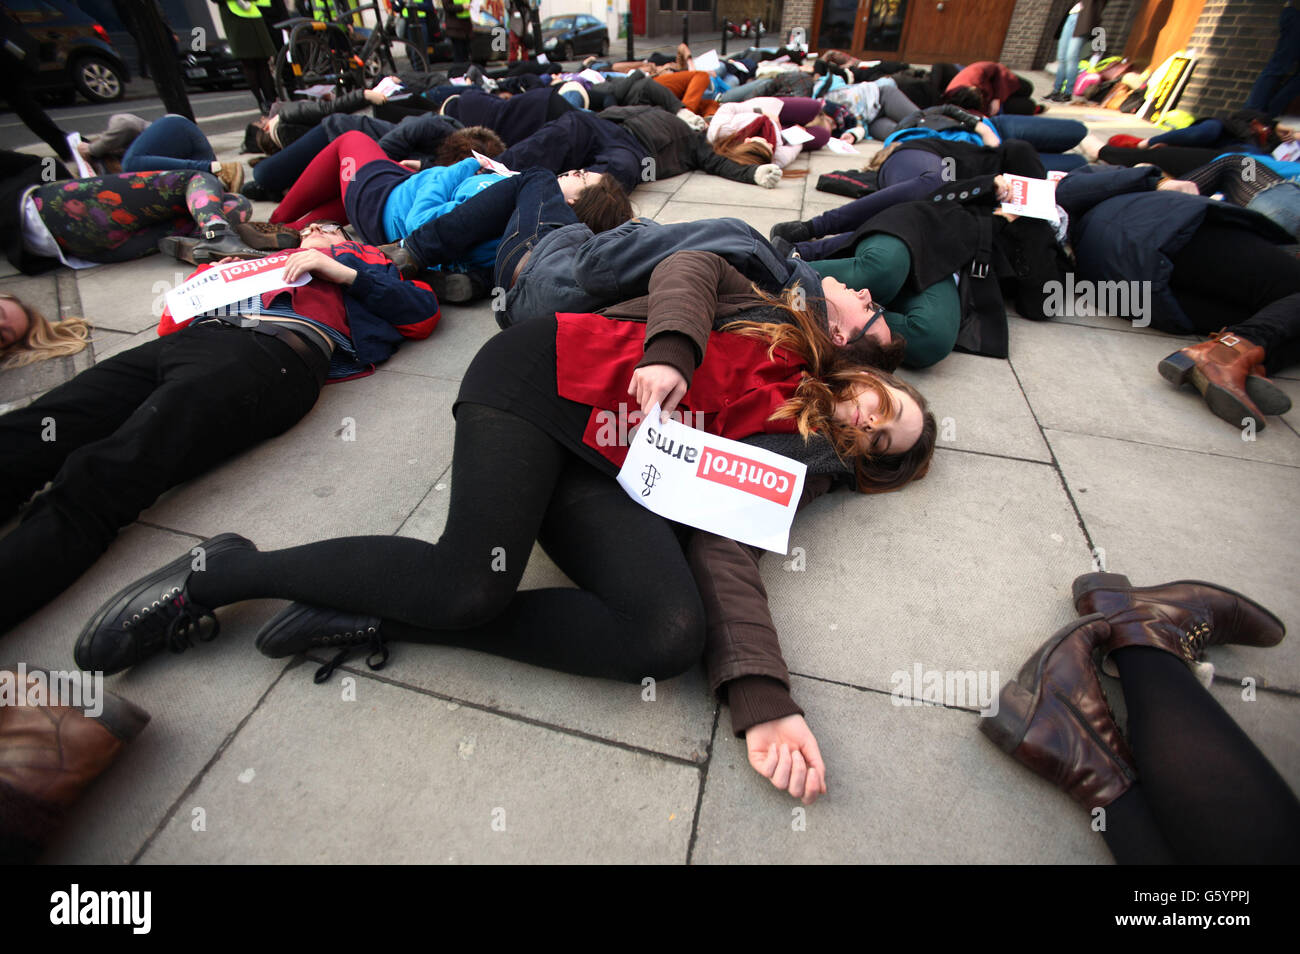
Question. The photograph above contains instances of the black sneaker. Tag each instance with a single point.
(299, 627)
(256, 192)
(152, 614)
(793, 232)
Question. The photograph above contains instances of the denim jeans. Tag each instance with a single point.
(172, 142)
(1281, 203)
(280, 171)
(759, 87)
(1067, 57)
(1270, 94)
(1044, 134)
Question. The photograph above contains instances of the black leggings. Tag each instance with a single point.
(1175, 160)
(1227, 276)
(1206, 794)
(637, 613)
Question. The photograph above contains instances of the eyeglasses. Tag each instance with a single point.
(329, 228)
(876, 312)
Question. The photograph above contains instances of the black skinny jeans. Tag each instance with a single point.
(120, 433)
(637, 611)
(1230, 277)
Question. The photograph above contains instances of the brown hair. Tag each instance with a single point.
(735, 148)
(878, 160)
(970, 98)
(833, 375)
(603, 205)
(44, 338)
(460, 144)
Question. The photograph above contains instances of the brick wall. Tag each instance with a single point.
(798, 13)
(1031, 39)
(1233, 39)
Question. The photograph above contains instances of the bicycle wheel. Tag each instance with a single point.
(319, 55)
(419, 62)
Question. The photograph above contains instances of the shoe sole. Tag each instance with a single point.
(1179, 369)
(121, 599)
(178, 247)
(1268, 397)
(452, 287)
(203, 256)
(1019, 698)
(290, 615)
(277, 241)
(1118, 583)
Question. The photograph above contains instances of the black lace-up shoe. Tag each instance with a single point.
(152, 614)
(299, 627)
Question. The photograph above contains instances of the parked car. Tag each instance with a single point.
(568, 34)
(76, 55)
(212, 68)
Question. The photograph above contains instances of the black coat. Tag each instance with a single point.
(18, 173)
(1122, 229)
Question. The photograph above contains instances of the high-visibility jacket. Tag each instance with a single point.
(414, 9)
(324, 10)
(251, 11)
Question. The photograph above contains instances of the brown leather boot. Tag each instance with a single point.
(1182, 617)
(48, 754)
(1054, 719)
(1218, 368)
(407, 264)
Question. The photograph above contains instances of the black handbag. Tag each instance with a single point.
(851, 183)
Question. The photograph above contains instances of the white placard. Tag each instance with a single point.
(84, 169)
(1288, 151)
(835, 144)
(706, 62)
(387, 86)
(1035, 198)
(713, 483)
(224, 284)
(591, 76)
(492, 165)
(1056, 175)
(796, 135)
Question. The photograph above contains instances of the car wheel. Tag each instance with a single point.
(604, 47)
(566, 52)
(98, 80)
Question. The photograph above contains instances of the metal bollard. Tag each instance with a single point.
(627, 23)
(726, 26)
(686, 29)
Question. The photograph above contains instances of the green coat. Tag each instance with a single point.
(249, 37)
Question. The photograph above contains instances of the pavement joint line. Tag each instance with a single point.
(880, 692)
(983, 453)
(1182, 450)
(1124, 331)
(1056, 464)
(419, 374)
(519, 717)
(703, 781)
(182, 533)
(192, 787)
(1234, 682)
(419, 503)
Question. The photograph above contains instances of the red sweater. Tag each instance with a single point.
(735, 389)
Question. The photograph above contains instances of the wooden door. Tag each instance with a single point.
(956, 31)
(1160, 29)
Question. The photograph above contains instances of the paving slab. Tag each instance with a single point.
(1162, 514)
(648, 204)
(715, 190)
(968, 569)
(669, 186)
(447, 352)
(979, 406)
(1105, 383)
(310, 483)
(107, 342)
(398, 777)
(906, 785)
(761, 220)
(676, 718)
(128, 296)
(196, 699)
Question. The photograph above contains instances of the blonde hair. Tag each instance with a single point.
(878, 160)
(44, 338)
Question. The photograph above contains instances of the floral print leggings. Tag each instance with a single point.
(122, 217)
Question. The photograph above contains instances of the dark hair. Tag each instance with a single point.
(969, 98)
(460, 144)
(869, 351)
(603, 205)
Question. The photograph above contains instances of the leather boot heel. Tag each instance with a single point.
(1007, 729)
(1097, 581)
(1177, 368)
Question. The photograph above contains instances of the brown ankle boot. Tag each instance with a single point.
(1054, 719)
(1218, 368)
(48, 754)
(1182, 617)
(231, 176)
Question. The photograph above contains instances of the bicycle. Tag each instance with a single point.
(376, 53)
(327, 53)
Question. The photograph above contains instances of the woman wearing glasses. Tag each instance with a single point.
(532, 463)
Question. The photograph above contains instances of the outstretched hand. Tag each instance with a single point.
(785, 752)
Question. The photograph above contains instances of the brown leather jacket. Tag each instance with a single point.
(692, 293)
